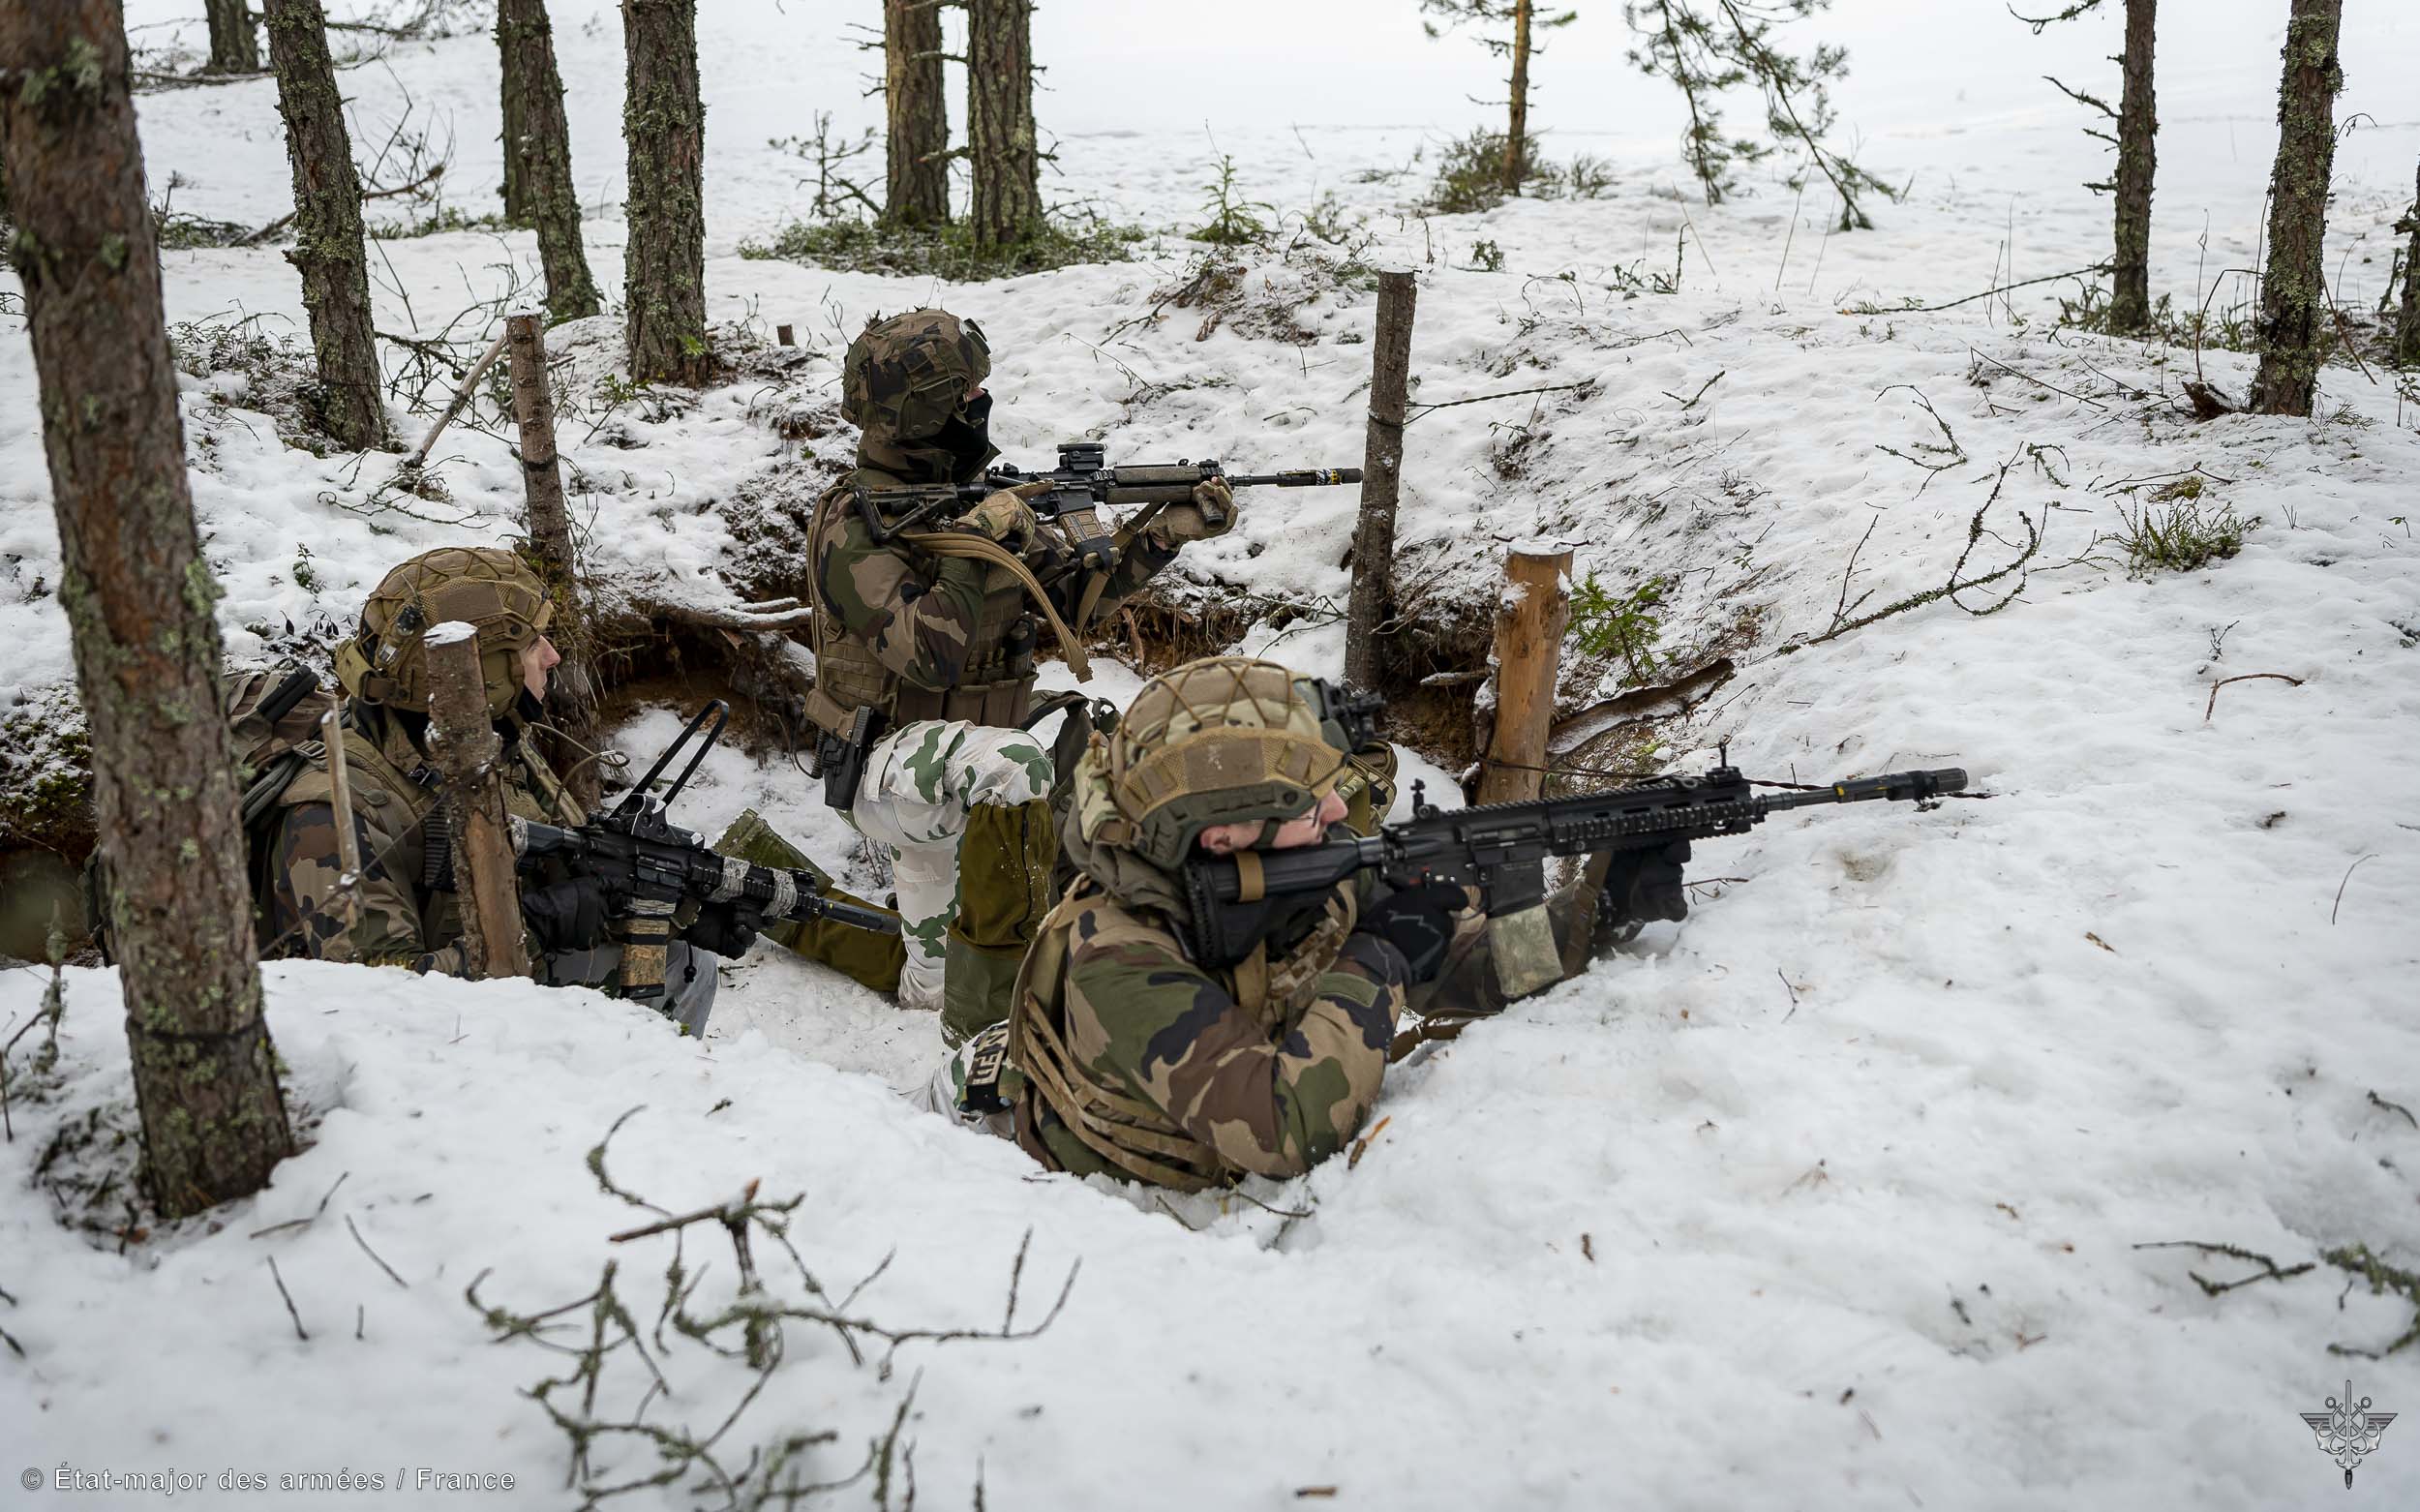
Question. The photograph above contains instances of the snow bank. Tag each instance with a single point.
(1830, 1195)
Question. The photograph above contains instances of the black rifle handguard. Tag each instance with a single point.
(1495, 846)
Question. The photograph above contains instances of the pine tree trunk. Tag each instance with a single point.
(233, 49)
(2129, 300)
(1517, 130)
(2408, 324)
(1000, 139)
(2293, 291)
(917, 114)
(328, 249)
(138, 600)
(541, 150)
(510, 88)
(664, 126)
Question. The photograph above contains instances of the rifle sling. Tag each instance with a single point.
(968, 546)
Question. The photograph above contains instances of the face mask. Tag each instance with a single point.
(967, 437)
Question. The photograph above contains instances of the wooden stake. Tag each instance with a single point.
(466, 750)
(340, 800)
(1529, 625)
(785, 336)
(462, 397)
(574, 702)
(1381, 470)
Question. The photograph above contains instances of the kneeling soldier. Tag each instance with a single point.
(933, 633)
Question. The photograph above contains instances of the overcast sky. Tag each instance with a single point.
(1913, 63)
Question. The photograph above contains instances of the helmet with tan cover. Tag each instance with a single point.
(487, 587)
(903, 378)
(1221, 740)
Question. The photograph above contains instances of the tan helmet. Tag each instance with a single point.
(487, 587)
(904, 378)
(1221, 740)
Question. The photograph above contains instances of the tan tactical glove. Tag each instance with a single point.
(1006, 517)
(1213, 500)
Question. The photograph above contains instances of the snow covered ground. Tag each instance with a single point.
(1829, 1196)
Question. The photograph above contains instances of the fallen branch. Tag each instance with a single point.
(2340, 885)
(300, 1332)
(2376, 1100)
(1417, 411)
(1690, 403)
(2047, 278)
(304, 1222)
(2268, 1271)
(373, 1255)
(2381, 1277)
(2029, 379)
(1955, 453)
(462, 397)
(256, 238)
(2249, 676)
(1950, 590)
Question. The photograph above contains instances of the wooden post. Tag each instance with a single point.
(1530, 624)
(465, 748)
(341, 803)
(785, 336)
(1381, 472)
(573, 704)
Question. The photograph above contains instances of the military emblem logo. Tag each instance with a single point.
(2347, 1430)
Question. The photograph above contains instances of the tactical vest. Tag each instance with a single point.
(1129, 1133)
(395, 772)
(998, 681)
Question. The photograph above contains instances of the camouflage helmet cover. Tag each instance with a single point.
(487, 587)
(1221, 740)
(904, 378)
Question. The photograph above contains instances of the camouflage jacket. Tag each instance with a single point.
(401, 923)
(1134, 1061)
(936, 623)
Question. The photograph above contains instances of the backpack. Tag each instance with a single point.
(273, 717)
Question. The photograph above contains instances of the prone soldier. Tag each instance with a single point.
(1124, 1054)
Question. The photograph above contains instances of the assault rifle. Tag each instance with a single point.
(649, 865)
(1081, 483)
(1500, 847)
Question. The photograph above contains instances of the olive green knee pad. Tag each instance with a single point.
(861, 954)
(1004, 891)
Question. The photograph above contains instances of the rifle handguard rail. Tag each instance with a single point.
(1472, 845)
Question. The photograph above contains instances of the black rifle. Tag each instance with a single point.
(1081, 483)
(1500, 847)
(649, 865)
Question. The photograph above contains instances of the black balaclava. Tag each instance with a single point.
(967, 438)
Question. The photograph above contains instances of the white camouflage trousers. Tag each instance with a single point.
(919, 782)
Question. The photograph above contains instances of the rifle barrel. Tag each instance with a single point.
(1900, 787)
(1300, 477)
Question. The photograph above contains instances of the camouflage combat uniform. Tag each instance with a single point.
(403, 916)
(1125, 1058)
(944, 645)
